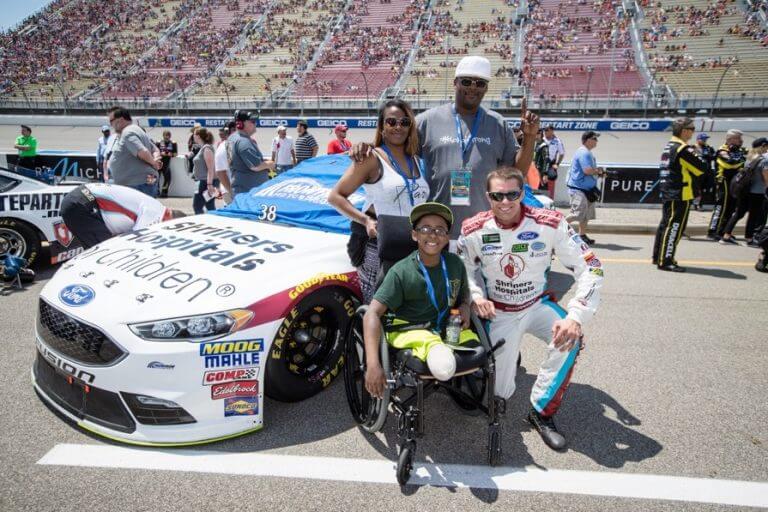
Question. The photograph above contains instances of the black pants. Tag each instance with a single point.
(165, 172)
(674, 217)
(82, 216)
(747, 203)
(724, 206)
(199, 202)
(27, 162)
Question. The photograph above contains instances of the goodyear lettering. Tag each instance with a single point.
(314, 281)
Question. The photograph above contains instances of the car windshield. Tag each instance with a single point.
(298, 197)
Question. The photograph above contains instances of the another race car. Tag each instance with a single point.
(29, 216)
(171, 335)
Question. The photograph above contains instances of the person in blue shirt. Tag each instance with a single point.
(582, 178)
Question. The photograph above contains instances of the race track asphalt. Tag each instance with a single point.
(671, 383)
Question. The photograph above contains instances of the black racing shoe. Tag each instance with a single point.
(762, 264)
(672, 267)
(546, 428)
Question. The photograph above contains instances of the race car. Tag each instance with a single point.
(171, 335)
(29, 216)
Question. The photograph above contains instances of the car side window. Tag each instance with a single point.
(7, 183)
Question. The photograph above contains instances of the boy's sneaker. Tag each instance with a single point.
(729, 241)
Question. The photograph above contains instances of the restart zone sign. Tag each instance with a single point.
(602, 125)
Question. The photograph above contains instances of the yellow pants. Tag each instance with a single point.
(421, 341)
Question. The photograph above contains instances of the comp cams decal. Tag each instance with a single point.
(219, 354)
(235, 374)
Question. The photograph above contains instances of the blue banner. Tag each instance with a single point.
(600, 125)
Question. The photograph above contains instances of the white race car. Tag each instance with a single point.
(29, 216)
(171, 335)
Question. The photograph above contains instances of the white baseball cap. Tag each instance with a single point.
(475, 67)
(281, 128)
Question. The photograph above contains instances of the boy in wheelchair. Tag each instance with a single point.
(415, 297)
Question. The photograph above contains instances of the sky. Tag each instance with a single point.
(15, 11)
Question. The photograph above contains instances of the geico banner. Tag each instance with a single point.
(631, 184)
(63, 163)
(603, 125)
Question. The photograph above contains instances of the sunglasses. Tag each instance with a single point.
(429, 230)
(405, 122)
(480, 84)
(512, 195)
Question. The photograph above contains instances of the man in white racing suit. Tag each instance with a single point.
(512, 246)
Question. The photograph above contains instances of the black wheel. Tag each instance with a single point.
(369, 412)
(20, 239)
(405, 462)
(494, 445)
(308, 350)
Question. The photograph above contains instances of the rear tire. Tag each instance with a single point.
(20, 239)
(298, 370)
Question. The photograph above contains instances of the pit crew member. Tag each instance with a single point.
(95, 212)
(512, 246)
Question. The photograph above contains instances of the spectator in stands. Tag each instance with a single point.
(282, 151)
(582, 182)
(457, 169)
(135, 159)
(168, 149)
(305, 146)
(26, 144)
(340, 144)
(221, 164)
(703, 188)
(729, 160)
(752, 198)
(101, 148)
(204, 171)
(247, 165)
(556, 154)
(392, 177)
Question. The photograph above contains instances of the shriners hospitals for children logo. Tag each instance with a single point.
(76, 295)
(512, 265)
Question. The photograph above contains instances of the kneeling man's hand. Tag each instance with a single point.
(565, 334)
(484, 308)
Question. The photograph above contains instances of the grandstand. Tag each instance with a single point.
(478, 27)
(692, 45)
(208, 52)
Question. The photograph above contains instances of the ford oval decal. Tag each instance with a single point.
(76, 295)
(527, 235)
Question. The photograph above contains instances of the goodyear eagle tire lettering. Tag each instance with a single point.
(308, 350)
(20, 239)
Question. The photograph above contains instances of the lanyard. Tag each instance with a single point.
(410, 187)
(466, 144)
(431, 290)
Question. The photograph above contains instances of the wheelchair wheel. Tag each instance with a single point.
(494, 445)
(369, 412)
(405, 462)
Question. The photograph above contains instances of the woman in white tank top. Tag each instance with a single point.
(393, 179)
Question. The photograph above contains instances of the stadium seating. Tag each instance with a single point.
(274, 55)
(366, 55)
(570, 49)
(690, 47)
(459, 28)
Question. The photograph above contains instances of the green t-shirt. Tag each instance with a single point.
(27, 141)
(404, 290)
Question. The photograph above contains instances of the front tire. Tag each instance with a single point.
(20, 239)
(308, 350)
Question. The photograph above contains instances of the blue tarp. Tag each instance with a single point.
(299, 197)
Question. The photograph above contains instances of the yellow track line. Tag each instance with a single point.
(684, 262)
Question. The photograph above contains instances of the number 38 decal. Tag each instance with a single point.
(268, 212)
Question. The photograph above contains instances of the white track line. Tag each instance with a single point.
(622, 485)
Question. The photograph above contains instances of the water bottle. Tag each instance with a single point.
(453, 329)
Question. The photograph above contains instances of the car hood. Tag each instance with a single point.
(193, 265)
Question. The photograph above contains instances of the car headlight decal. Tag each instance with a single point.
(198, 327)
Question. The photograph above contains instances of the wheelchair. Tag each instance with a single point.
(409, 382)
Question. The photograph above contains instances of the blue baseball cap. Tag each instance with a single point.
(702, 136)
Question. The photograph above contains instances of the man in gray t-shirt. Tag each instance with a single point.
(135, 158)
(457, 169)
(247, 165)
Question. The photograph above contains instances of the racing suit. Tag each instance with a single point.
(514, 262)
(680, 165)
(729, 161)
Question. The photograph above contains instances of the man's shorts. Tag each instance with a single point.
(420, 341)
(581, 209)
